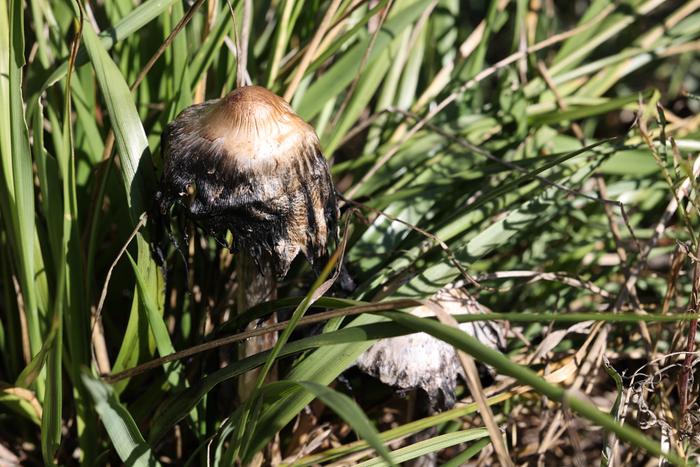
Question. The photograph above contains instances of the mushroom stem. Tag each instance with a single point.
(255, 285)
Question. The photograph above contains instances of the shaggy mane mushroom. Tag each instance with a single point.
(247, 163)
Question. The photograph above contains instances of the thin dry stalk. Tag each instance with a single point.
(166, 43)
(660, 227)
(308, 56)
(684, 376)
(672, 282)
(534, 276)
(363, 62)
(103, 295)
(475, 388)
(544, 72)
(99, 345)
(242, 58)
(23, 326)
(200, 90)
(617, 237)
(522, 47)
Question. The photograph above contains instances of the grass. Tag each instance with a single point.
(540, 155)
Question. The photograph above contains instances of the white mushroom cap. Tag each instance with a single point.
(247, 163)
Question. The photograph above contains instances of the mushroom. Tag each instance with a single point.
(420, 361)
(246, 163)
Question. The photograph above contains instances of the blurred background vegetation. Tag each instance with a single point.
(540, 154)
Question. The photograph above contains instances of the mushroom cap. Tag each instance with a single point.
(247, 163)
(420, 360)
(257, 129)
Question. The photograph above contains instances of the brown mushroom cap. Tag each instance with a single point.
(247, 163)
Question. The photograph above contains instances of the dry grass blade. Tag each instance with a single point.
(311, 50)
(477, 392)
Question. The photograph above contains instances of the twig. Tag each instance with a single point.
(619, 246)
(178, 27)
(544, 72)
(23, 326)
(684, 376)
(425, 233)
(534, 276)
(659, 229)
(103, 294)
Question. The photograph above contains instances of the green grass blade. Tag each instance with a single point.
(341, 74)
(120, 425)
(130, 137)
(157, 325)
(461, 458)
(51, 421)
(135, 157)
(17, 163)
(344, 407)
(428, 446)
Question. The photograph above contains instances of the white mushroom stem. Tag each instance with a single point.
(254, 287)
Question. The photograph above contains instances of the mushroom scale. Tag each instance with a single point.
(247, 163)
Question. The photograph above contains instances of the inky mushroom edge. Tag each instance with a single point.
(248, 164)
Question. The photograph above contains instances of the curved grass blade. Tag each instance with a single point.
(344, 407)
(610, 442)
(155, 321)
(18, 184)
(120, 425)
(22, 402)
(135, 157)
(130, 137)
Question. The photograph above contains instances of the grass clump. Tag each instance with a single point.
(541, 156)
